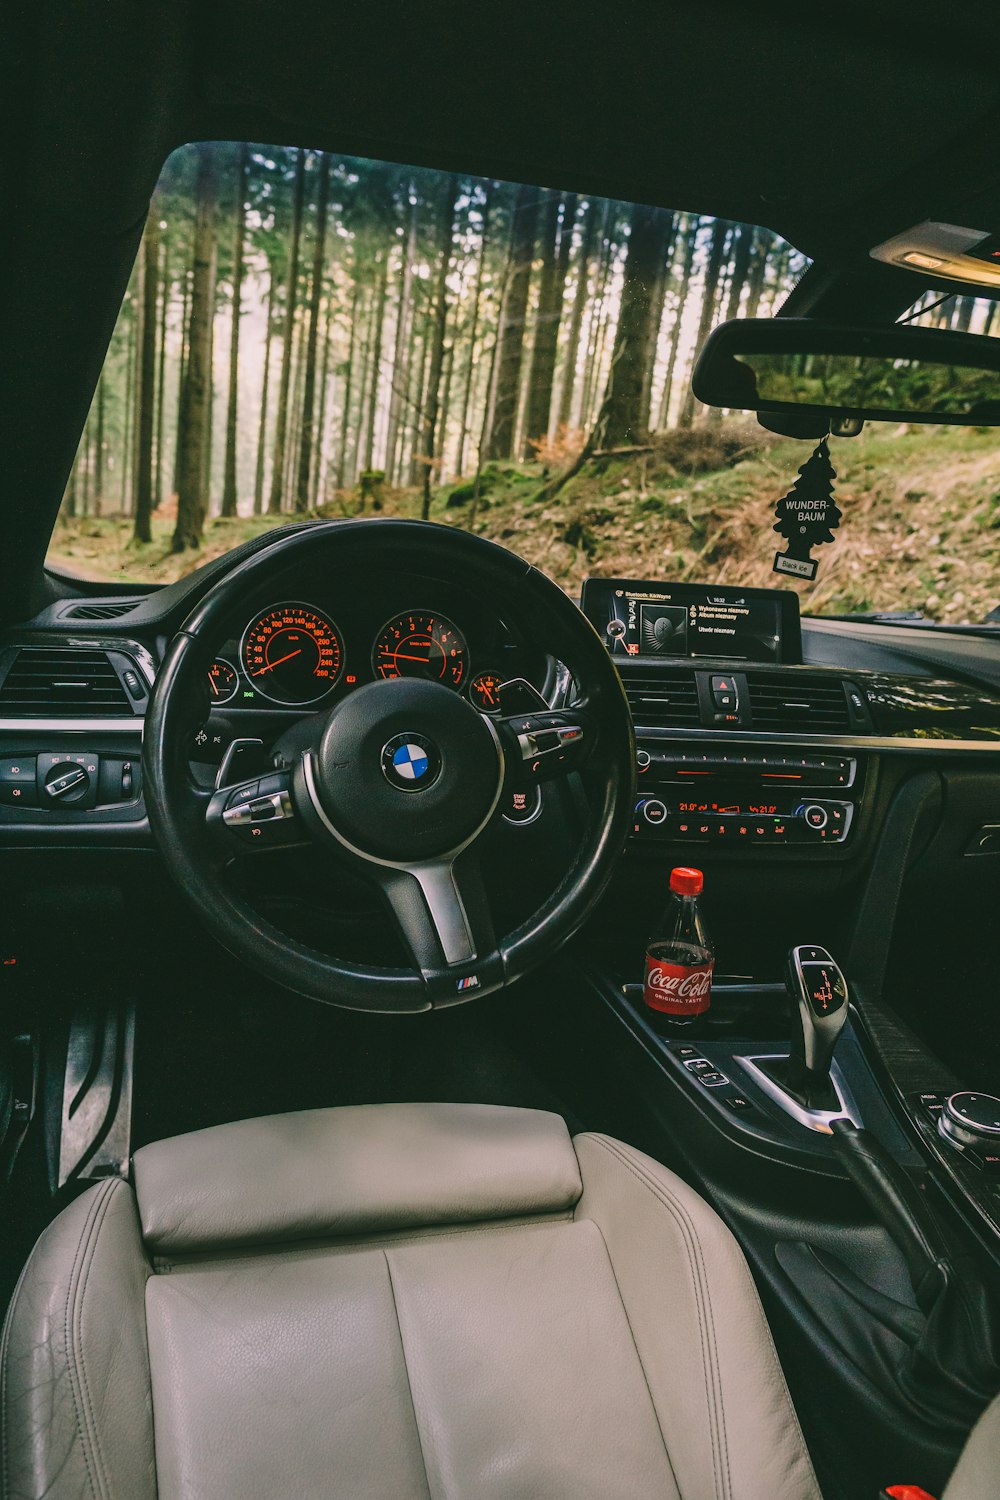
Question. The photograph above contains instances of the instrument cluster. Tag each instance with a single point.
(292, 654)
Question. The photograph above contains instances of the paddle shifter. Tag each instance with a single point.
(818, 992)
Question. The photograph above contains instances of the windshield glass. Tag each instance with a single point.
(307, 334)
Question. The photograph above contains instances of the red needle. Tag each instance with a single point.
(272, 664)
(211, 679)
(401, 656)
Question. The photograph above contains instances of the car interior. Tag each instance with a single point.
(341, 1153)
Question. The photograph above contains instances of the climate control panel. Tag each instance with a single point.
(741, 796)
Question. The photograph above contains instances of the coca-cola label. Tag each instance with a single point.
(677, 989)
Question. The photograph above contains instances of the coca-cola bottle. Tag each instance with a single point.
(679, 956)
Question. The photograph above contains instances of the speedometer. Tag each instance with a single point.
(292, 654)
(421, 644)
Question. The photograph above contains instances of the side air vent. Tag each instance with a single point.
(62, 681)
(99, 611)
(794, 702)
(663, 700)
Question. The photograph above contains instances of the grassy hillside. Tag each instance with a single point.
(920, 528)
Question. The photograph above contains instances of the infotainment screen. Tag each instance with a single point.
(636, 617)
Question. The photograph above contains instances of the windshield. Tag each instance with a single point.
(306, 334)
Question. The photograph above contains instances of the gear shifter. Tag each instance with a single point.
(801, 1081)
(818, 991)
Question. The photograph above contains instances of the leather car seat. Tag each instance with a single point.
(447, 1301)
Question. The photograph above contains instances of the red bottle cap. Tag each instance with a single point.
(687, 882)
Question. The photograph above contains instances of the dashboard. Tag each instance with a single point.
(758, 734)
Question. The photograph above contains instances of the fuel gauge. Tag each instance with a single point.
(223, 681)
(484, 690)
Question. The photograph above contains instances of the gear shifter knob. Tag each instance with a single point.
(818, 991)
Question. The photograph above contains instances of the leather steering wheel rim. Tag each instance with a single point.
(517, 591)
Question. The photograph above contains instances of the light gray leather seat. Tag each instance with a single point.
(447, 1301)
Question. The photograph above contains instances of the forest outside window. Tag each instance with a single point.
(309, 334)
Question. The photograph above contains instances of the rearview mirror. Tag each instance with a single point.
(896, 373)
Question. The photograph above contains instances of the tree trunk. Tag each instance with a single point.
(597, 325)
(194, 413)
(741, 267)
(690, 239)
(376, 360)
(161, 375)
(576, 317)
(146, 398)
(442, 441)
(274, 502)
(324, 390)
(400, 362)
(99, 445)
(345, 415)
(258, 487)
(758, 266)
(431, 404)
(550, 300)
(664, 259)
(713, 266)
(360, 427)
(315, 301)
(295, 407)
(87, 470)
(470, 368)
(512, 319)
(418, 399)
(126, 493)
(229, 506)
(181, 370)
(620, 418)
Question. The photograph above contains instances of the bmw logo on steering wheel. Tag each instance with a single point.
(410, 762)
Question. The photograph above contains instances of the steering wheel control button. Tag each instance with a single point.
(654, 811)
(410, 762)
(545, 742)
(970, 1122)
(243, 794)
(521, 805)
(260, 820)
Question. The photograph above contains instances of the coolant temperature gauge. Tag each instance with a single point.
(484, 690)
(222, 681)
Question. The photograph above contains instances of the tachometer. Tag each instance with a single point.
(292, 654)
(421, 644)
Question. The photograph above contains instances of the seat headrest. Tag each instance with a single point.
(369, 1169)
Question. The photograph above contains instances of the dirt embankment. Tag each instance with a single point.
(920, 528)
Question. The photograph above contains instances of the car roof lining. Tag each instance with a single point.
(874, 129)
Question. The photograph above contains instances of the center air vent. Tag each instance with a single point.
(663, 700)
(109, 611)
(63, 681)
(790, 702)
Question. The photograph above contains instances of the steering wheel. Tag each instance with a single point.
(399, 781)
